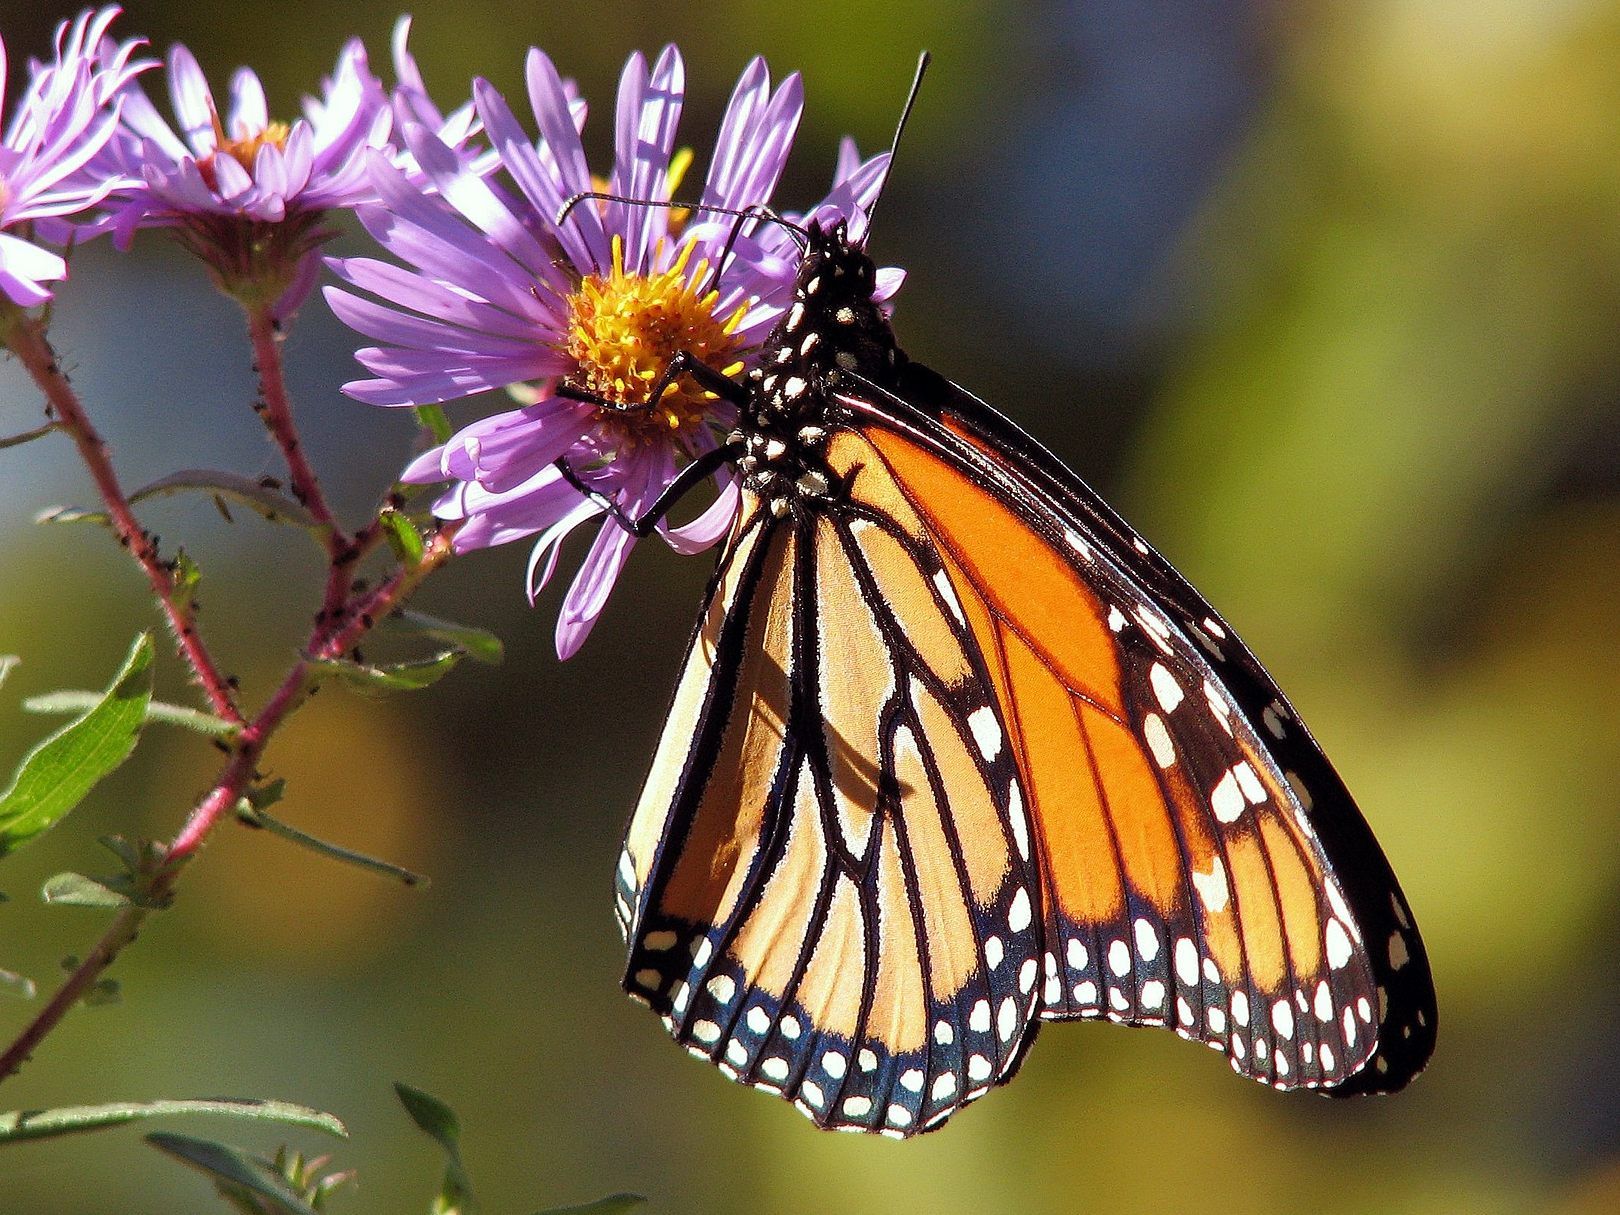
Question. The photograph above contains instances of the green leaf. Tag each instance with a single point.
(433, 419)
(45, 1124)
(76, 890)
(395, 677)
(72, 514)
(232, 1169)
(438, 1121)
(613, 1204)
(251, 815)
(403, 537)
(480, 644)
(255, 495)
(157, 712)
(17, 986)
(56, 775)
(28, 436)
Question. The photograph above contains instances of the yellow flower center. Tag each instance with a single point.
(625, 328)
(242, 151)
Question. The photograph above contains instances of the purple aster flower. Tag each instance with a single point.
(66, 115)
(498, 294)
(244, 193)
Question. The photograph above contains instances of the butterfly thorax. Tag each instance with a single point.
(833, 335)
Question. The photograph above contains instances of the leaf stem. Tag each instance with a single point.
(26, 338)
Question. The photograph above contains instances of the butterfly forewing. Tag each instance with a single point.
(1204, 868)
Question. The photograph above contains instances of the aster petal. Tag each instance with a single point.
(554, 114)
(23, 266)
(425, 231)
(385, 324)
(755, 138)
(460, 185)
(410, 377)
(192, 101)
(649, 112)
(250, 112)
(420, 293)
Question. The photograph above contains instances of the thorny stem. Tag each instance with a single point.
(338, 627)
(233, 783)
(26, 338)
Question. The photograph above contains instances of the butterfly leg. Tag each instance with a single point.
(687, 480)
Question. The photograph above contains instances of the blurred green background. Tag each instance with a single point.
(1326, 296)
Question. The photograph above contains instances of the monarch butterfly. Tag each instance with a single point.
(955, 752)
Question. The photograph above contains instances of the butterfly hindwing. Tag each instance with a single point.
(835, 899)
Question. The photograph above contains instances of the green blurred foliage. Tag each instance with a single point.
(1379, 431)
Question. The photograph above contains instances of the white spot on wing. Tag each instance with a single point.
(1158, 740)
(947, 594)
(1226, 799)
(1212, 888)
(1253, 790)
(986, 731)
(1187, 961)
(1147, 940)
(1338, 945)
(1165, 687)
(1018, 915)
(1119, 958)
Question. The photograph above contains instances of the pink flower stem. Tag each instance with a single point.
(26, 338)
(275, 410)
(233, 784)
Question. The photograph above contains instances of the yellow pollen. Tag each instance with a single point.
(625, 328)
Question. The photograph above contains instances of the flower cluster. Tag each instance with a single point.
(521, 271)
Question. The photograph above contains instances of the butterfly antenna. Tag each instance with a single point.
(923, 60)
(757, 211)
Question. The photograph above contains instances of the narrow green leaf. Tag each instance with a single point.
(433, 420)
(232, 1167)
(28, 436)
(613, 1204)
(56, 775)
(76, 890)
(395, 677)
(7, 661)
(255, 817)
(157, 712)
(403, 537)
(438, 1121)
(17, 986)
(480, 644)
(260, 498)
(262, 797)
(45, 1124)
(72, 514)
